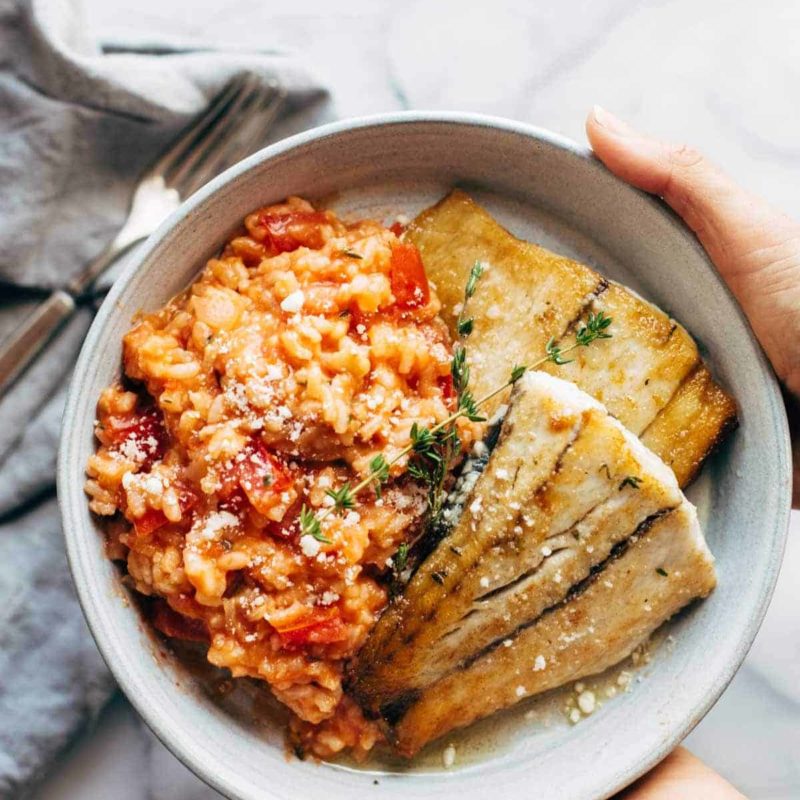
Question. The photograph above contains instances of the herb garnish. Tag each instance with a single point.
(662, 572)
(630, 480)
(351, 254)
(310, 525)
(432, 450)
(464, 324)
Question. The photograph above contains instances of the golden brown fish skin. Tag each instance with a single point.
(615, 611)
(556, 480)
(536, 293)
(649, 359)
(694, 423)
(636, 372)
(387, 664)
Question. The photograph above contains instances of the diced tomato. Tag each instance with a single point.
(289, 230)
(321, 626)
(409, 282)
(176, 625)
(150, 521)
(287, 527)
(397, 228)
(144, 430)
(153, 518)
(445, 383)
(235, 502)
(259, 475)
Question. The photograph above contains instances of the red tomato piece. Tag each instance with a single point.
(176, 625)
(150, 521)
(143, 434)
(409, 282)
(397, 228)
(286, 231)
(321, 626)
(261, 463)
(445, 384)
(259, 475)
(287, 527)
(153, 518)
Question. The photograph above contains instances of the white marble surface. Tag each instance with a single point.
(724, 76)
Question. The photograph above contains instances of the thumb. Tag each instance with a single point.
(723, 216)
(755, 247)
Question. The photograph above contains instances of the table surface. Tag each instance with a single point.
(722, 76)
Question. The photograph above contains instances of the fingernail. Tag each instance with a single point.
(611, 123)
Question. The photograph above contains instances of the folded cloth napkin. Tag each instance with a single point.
(78, 124)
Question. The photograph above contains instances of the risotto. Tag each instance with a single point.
(305, 349)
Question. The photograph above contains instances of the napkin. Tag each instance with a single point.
(78, 124)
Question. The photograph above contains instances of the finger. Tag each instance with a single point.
(755, 247)
(681, 776)
(724, 216)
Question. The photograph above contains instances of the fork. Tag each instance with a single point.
(232, 127)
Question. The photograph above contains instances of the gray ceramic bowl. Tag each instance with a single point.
(541, 187)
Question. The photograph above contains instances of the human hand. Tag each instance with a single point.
(681, 776)
(755, 247)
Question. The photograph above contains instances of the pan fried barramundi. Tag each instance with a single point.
(575, 544)
(649, 374)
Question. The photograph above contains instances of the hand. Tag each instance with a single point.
(756, 250)
(755, 247)
(681, 776)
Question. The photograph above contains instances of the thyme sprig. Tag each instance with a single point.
(464, 324)
(433, 449)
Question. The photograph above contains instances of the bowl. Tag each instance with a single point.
(545, 188)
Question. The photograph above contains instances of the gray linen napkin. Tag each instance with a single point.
(77, 126)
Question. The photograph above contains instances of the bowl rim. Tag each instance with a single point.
(69, 496)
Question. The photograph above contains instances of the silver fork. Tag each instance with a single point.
(234, 126)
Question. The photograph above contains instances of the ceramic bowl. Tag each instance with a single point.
(544, 188)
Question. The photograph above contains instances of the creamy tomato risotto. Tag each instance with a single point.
(307, 348)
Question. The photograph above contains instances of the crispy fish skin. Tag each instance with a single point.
(696, 420)
(526, 295)
(617, 609)
(637, 374)
(555, 484)
(529, 449)
(567, 484)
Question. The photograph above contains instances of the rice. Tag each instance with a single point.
(308, 347)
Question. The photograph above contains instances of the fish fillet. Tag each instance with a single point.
(509, 597)
(648, 374)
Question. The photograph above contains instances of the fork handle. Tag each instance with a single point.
(26, 342)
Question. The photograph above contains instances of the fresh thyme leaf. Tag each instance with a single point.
(554, 353)
(417, 472)
(343, 497)
(401, 557)
(517, 373)
(662, 572)
(595, 328)
(467, 404)
(630, 480)
(459, 369)
(604, 468)
(465, 326)
(351, 254)
(310, 525)
(472, 282)
(379, 471)
(438, 577)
